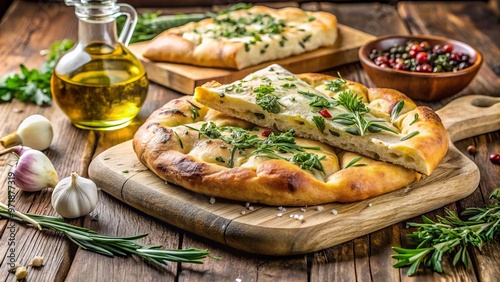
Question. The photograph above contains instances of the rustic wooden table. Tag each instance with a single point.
(28, 27)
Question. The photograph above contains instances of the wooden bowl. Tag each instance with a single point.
(418, 85)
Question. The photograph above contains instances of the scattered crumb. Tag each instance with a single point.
(238, 280)
(17, 110)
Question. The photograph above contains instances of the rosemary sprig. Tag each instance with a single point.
(107, 245)
(356, 117)
(450, 235)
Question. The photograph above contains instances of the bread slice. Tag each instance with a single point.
(382, 124)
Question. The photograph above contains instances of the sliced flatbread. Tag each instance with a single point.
(379, 123)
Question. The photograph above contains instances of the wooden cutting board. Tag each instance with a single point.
(184, 78)
(260, 229)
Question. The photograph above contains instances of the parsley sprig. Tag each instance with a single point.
(356, 117)
(450, 235)
(33, 85)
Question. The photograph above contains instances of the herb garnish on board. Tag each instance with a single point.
(450, 235)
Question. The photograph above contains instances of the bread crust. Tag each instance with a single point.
(168, 146)
(196, 44)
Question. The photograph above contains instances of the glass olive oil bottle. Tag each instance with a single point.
(100, 84)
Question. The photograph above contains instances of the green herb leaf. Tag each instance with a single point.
(396, 110)
(266, 100)
(337, 84)
(353, 162)
(319, 121)
(415, 118)
(410, 135)
(195, 110)
(308, 161)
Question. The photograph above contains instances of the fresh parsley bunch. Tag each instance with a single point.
(32, 85)
(450, 235)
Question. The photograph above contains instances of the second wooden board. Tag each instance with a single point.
(184, 78)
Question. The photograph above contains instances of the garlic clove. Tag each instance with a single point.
(35, 132)
(33, 171)
(74, 196)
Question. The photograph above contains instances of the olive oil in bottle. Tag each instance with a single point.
(100, 84)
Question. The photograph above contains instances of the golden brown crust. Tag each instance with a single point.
(177, 154)
(184, 45)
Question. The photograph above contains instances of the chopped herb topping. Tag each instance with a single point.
(396, 110)
(308, 161)
(179, 139)
(319, 121)
(415, 118)
(220, 159)
(334, 133)
(354, 162)
(410, 135)
(266, 100)
(195, 111)
(337, 84)
(289, 85)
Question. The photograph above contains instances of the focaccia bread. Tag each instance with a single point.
(205, 151)
(379, 123)
(243, 38)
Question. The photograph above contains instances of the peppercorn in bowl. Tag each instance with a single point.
(423, 67)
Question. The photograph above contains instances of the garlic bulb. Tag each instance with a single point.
(74, 196)
(35, 132)
(33, 171)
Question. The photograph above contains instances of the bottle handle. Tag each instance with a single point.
(129, 26)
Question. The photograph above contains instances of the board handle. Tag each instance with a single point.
(471, 115)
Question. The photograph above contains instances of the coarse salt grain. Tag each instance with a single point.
(303, 209)
(370, 204)
(247, 205)
(301, 217)
(251, 208)
(212, 200)
(279, 215)
(319, 208)
(334, 212)
(243, 212)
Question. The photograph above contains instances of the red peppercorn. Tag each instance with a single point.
(412, 53)
(447, 48)
(422, 58)
(325, 113)
(266, 132)
(416, 47)
(495, 158)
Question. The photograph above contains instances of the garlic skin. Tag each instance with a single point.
(34, 131)
(74, 196)
(33, 171)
